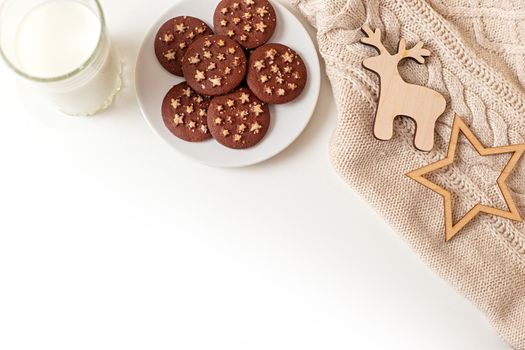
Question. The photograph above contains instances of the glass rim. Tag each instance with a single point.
(69, 74)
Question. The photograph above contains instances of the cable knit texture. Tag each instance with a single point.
(478, 64)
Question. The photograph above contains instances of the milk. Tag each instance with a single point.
(56, 38)
(66, 38)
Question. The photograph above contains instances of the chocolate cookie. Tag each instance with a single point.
(185, 113)
(249, 22)
(238, 120)
(214, 65)
(276, 73)
(174, 37)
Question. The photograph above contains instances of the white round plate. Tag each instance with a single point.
(287, 120)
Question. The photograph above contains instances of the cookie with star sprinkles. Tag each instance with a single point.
(238, 120)
(185, 113)
(173, 39)
(276, 73)
(214, 65)
(249, 22)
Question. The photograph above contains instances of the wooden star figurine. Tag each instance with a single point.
(451, 228)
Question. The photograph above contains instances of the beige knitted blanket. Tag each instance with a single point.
(478, 64)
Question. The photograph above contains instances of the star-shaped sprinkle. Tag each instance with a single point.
(168, 37)
(287, 69)
(243, 37)
(218, 121)
(175, 103)
(263, 78)
(186, 92)
(212, 66)
(189, 109)
(249, 2)
(199, 76)
(204, 129)
(194, 59)
(287, 57)
(224, 23)
(231, 50)
(221, 57)
(230, 33)
(279, 80)
(268, 90)
(262, 11)
(224, 10)
(247, 15)
(236, 20)
(178, 119)
(237, 138)
(260, 26)
(192, 124)
(170, 55)
(271, 54)
(259, 65)
(200, 30)
(198, 99)
(257, 109)
(281, 92)
(292, 86)
(227, 70)
(235, 5)
(241, 128)
(516, 151)
(207, 43)
(191, 35)
(207, 54)
(230, 103)
(225, 132)
(245, 98)
(182, 45)
(220, 108)
(202, 112)
(255, 128)
(274, 68)
(181, 28)
(221, 43)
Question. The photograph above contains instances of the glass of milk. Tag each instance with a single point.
(62, 48)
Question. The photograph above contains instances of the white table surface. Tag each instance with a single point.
(109, 239)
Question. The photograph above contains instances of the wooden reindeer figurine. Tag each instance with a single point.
(399, 98)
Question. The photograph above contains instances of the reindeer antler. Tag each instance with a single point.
(373, 38)
(417, 52)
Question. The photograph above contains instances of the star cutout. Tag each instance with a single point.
(451, 228)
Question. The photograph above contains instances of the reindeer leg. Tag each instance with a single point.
(424, 140)
(384, 124)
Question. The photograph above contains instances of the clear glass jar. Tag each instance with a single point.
(82, 76)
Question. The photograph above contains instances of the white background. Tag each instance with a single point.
(109, 239)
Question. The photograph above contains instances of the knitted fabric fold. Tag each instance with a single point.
(478, 64)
